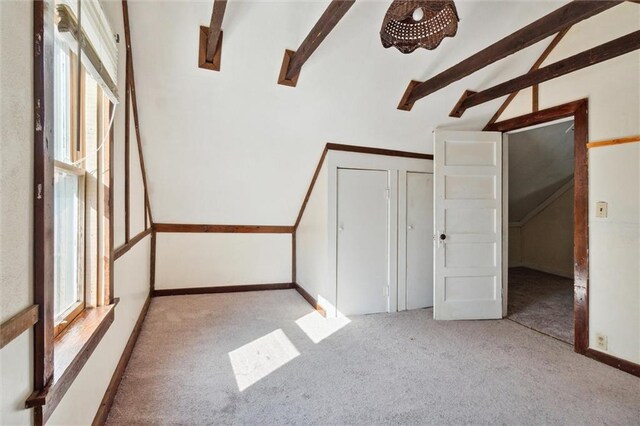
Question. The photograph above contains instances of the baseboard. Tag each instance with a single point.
(221, 289)
(110, 394)
(309, 298)
(621, 364)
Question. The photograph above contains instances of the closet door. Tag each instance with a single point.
(419, 249)
(363, 242)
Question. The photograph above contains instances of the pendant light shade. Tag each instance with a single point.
(410, 24)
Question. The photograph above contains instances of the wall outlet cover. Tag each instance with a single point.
(602, 342)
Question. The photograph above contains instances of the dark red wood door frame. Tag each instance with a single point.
(579, 111)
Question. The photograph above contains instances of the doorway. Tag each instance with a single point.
(578, 111)
(538, 175)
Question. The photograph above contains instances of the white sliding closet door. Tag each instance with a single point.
(419, 252)
(468, 222)
(363, 242)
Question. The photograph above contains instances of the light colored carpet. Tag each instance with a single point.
(541, 301)
(195, 353)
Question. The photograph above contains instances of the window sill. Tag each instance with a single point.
(72, 349)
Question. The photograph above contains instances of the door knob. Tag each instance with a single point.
(443, 237)
(410, 227)
(340, 228)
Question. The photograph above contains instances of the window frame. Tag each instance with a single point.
(66, 317)
(59, 359)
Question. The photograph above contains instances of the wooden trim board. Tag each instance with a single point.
(352, 148)
(110, 394)
(134, 104)
(221, 289)
(43, 43)
(579, 111)
(222, 229)
(18, 324)
(128, 246)
(309, 298)
(620, 364)
(610, 142)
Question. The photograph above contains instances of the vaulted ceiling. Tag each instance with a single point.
(234, 147)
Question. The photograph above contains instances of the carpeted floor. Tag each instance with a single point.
(541, 301)
(268, 358)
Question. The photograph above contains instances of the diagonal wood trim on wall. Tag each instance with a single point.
(18, 324)
(543, 57)
(134, 102)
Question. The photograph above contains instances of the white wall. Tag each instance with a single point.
(214, 260)
(312, 248)
(131, 273)
(613, 89)
(16, 209)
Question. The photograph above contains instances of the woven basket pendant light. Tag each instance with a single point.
(410, 24)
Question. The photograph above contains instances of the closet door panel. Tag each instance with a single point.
(362, 242)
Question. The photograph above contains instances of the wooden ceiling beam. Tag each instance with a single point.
(552, 23)
(210, 49)
(293, 61)
(604, 52)
(535, 66)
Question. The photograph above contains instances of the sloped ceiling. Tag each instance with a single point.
(540, 163)
(233, 147)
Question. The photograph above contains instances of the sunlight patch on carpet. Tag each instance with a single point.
(318, 327)
(256, 360)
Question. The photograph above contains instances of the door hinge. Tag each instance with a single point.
(387, 193)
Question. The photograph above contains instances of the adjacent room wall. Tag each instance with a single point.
(131, 273)
(545, 240)
(614, 111)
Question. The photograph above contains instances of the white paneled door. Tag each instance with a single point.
(419, 240)
(468, 216)
(363, 241)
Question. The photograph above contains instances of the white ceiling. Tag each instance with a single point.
(540, 163)
(233, 147)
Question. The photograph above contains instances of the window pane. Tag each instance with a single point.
(66, 240)
(62, 103)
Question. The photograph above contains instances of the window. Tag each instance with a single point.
(80, 131)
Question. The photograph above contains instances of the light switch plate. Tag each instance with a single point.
(601, 209)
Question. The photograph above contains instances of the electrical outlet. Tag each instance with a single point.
(601, 209)
(602, 342)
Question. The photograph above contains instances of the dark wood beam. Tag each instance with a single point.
(293, 61)
(215, 27)
(604, 52)
(556, 40)
(554, 22)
